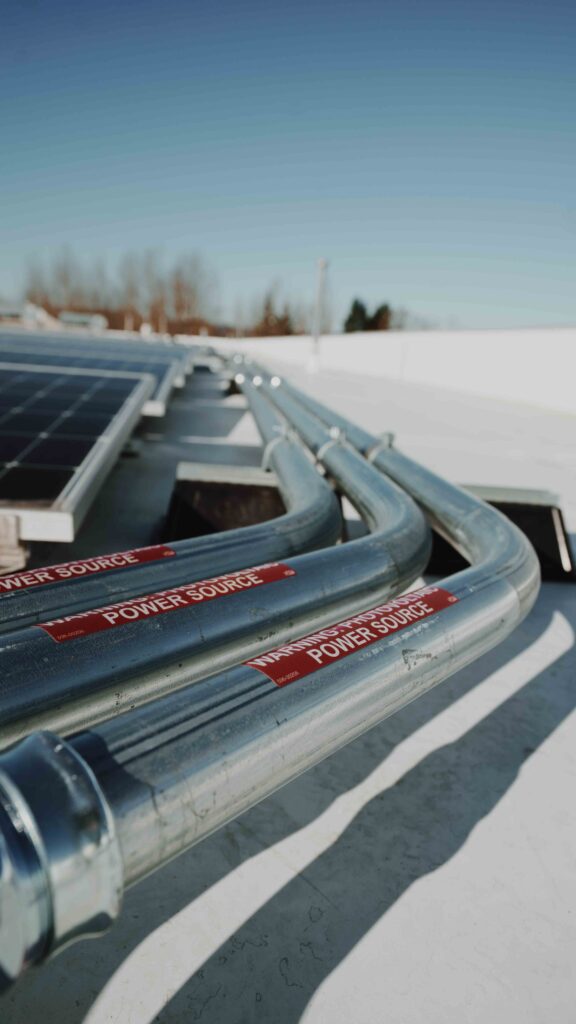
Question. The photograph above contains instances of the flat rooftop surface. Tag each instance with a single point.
(426, 872)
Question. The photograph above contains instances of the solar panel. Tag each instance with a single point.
(166, 369)
(60, 432)
(130, 346)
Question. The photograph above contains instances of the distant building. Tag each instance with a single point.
(92, 321)
(26, 314)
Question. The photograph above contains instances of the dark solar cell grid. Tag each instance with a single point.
(49, 423)
(69, 344)
(157, 367)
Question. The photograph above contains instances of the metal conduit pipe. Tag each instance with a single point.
(93, 675)
(82, 820)
(312, 521)
(496, 549)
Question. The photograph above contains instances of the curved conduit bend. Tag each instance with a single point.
(312, 521)
(503, 562)
(71, 683)
(165, 776)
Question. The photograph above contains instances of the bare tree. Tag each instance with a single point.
(129, 291)
(155, 305)
(65, 283)
(181, 298)
(35, 287)
(273, 316)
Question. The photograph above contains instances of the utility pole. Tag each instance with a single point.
(318, 313)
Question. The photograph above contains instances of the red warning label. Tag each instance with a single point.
(99, 619)
(294, 661)
(87, 567)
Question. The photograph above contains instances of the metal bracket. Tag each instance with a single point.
(283, 433)
(13, 554)
(385, 442)
(337, 437)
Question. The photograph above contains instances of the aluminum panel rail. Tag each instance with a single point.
(165, 776)
(312, 521)
(90, 672)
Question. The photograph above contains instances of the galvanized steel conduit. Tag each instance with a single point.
(76, 683)
(312, 521)
(496, 549)
(163, 777)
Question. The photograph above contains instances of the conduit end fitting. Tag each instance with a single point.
(61, 875)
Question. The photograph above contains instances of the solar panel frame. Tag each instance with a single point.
(168, 348)
(134, 349)
(77, 354)
(60, 520)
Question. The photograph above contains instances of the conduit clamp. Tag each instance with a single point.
(283, 433)
(337, 437)
(385, 441)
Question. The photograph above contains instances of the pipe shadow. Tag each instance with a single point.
(313, 923)
(63, 990)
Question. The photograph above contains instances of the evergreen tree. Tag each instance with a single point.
(357, 318)
(380, 319)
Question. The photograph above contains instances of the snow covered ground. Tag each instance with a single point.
(535, 365)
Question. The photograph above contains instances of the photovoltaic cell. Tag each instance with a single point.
(29, 351)
(49, 424)
(33, 484)
(80, 425)
(33, 351)
(59, 451)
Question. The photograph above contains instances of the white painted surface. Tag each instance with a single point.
(466, 438)
(537, 366)
(427, 871)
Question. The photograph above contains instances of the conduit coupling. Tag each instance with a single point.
(60, 861)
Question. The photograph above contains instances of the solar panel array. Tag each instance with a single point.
(163, 363)
(92, 343)
(112, 348)
(49, 424)
(67, 406)
(87, 362)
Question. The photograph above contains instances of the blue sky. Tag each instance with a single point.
(428, 150)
